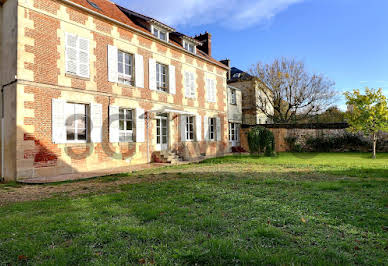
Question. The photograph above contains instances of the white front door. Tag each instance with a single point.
(162, 132)
(234, 134)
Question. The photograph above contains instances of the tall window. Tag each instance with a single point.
(161, 77)
(77, 55)
(212, 129)
(233, 132)
(125, 68)
(126, 125)
(211, 90)
(76, 124)
(160, 34)
(190, 85)
(190, 128)
(233, 99)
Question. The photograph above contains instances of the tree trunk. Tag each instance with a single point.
(374, 145)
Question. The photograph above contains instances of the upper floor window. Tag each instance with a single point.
(189, 47)
(190, 85)
(76, 124)
(233, 97)
(161, 77)
(126, 125)
(77, 55)
(211, 90)
(125, 68)
(160, 34)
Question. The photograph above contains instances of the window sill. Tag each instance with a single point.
(162, 92)
(125, 85)
(76, 77)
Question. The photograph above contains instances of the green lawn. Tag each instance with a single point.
(310, 209)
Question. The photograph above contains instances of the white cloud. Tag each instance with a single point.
(236, 14)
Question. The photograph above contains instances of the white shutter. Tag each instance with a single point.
(187, 84)
(215, 90)
(193, 93)
(183, 128)
(139, 71)
(206, 128)
(212, 90)
(218, 126)
(83, 57)
(71, 53)
(112, 64)
(114, 124)
(140, 125)
(96, 122)
(172, 79)
(58, 121)
(152, 73)
(207, 87)
(198, 125)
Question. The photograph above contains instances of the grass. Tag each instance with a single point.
(233, 210)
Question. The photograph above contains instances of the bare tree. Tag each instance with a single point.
(289, 93)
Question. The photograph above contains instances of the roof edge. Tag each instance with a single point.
(149, 35)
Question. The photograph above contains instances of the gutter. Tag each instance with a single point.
(149, 35)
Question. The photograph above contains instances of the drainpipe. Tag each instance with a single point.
(148, 138)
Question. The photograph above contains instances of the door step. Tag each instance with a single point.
(166, 157)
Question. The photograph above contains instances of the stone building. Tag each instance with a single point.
(90, 85)
(250, 89)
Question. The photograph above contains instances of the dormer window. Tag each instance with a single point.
(189, 47)
(160, 34)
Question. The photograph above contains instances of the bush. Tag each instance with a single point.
(261, 140)
(347, 142)
(292, 144)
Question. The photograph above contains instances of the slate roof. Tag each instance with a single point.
(116, 12)
(238, 75)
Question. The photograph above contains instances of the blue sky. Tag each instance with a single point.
(346, 40)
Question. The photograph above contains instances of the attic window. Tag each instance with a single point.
(160, 34)
(189, 47)
(94, 5)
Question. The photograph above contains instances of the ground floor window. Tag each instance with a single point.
(234, 131)
(189, 128)
(76, 123)
(126, 125)
(212, 129)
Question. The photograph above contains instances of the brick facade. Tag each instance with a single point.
(41, 74)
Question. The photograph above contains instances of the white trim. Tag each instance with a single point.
(2, 146)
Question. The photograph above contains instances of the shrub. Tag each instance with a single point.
(261, 140)
(293, 144)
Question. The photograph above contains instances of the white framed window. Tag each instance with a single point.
(190, 90)
(233, 97)
(76, 122)
(125, 68)
(77, 55)
(234, 131)
(189, 128)
(160, 34)
(211, 90)
(161, 77)
(189, 47)
(212, 129)
(125, 125)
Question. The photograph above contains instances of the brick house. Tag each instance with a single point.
(89, 85)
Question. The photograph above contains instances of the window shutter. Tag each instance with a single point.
(114, 124)
(214, 91)
(140, 125)
(192, 85)
(71, 53)
(172, 79)
(152, 73)
(112, 64)
(206, 128)
(83, 57)
(96, 122)
(198, 125)
(183, 128)
(218, 126)
(187, 84)
(58, 121)
(207, 90)
(139, 71)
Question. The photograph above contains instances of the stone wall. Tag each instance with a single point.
(302, 133)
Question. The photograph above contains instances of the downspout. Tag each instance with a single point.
(148, 141)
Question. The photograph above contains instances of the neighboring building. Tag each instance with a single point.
(235, 116)
(88, 85)
(250, 89)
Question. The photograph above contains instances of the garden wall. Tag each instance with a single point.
(336, 133)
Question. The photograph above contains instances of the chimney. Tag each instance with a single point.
(226, 62)
(206, 40)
